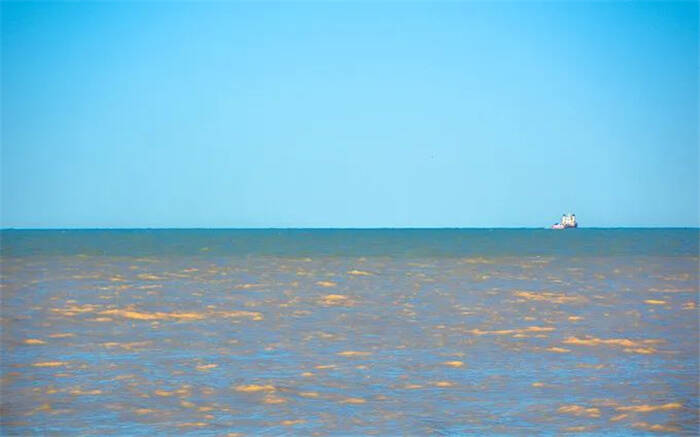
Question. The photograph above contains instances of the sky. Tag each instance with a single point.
(342, 114)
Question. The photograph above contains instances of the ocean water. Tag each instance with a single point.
(349, 332)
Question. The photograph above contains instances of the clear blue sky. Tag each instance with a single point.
(349, 114)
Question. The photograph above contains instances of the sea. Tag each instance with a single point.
(348, 332)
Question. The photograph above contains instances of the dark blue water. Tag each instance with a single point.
(354, 242)
(349, 332)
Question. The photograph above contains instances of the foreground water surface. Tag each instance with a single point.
(324, 332)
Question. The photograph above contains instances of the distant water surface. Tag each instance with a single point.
(360, 332)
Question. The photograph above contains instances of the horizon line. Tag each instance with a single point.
(282, 228)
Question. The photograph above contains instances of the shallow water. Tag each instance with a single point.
(350, 332)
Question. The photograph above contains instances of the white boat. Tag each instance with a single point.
(567, 221)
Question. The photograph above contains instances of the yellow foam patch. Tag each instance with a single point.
(33, 341)
(292, 422)
(444, 384)
(619, 417)
(453, 363)
(655, 302)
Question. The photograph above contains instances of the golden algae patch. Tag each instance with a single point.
(353, 401)
(577, 428)
(50, 364)
(453, 363)
(335, 299)
(308, 394)
(558, 298)
(412, 386)
(559, 350)
(254, 388)
(73, 310)
(578, 410)
(655, 427)
(185, 316)
(248, 286)
(650, 408)
(80, 392)
(163, 393)
(619, 417)
(537, 384)
(688, 306)
(641, 350)
(359, 273)
(354, 354)
(325, 366)
(128, 346)
(62, 335)
(192, 425)
(292, 422)
(205, 367)
(137, 315)
(187, 404)
(655, 302)
(274, 400)
(253, 315)
(307, 374)
(148, 277)
(623, 342)
(575, 318)
(33, 341)
(444, 384)
(142, 411)
(326, 284)
(516, 331)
